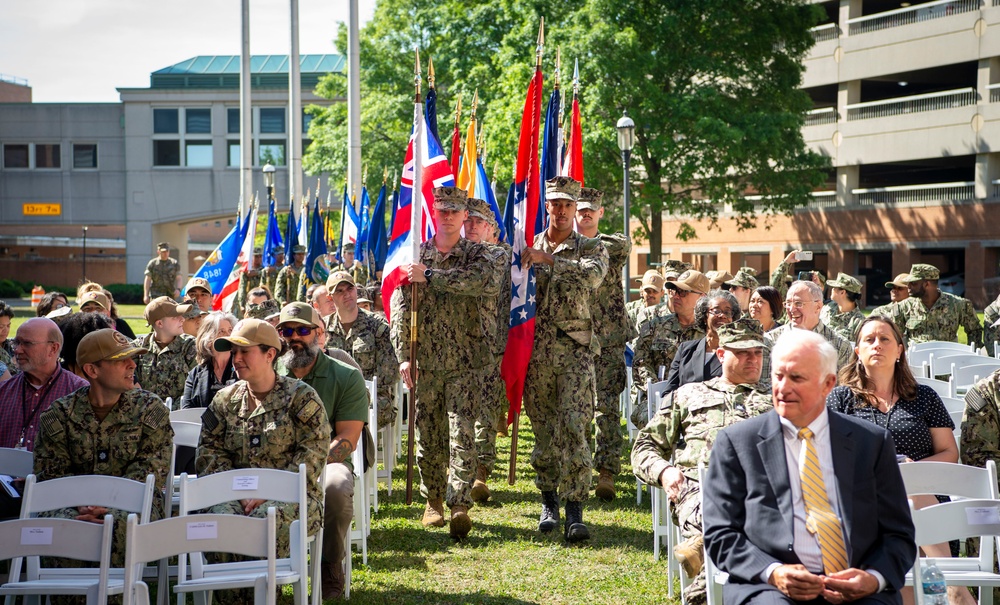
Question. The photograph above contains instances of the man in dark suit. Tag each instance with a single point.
(805, 504)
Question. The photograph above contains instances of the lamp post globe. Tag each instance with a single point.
(268, 171)
(626, 141)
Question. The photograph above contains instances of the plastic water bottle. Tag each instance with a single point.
(935, 590)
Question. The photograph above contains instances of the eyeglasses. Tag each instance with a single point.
(798, 304)
(301, 331)
(677, 292)
(720, 312)
(17, 342)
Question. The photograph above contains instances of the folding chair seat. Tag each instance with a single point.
(944, 365)
(939, 345)
(15, 462)
(942, 387)
(187, 415)
(965, 377)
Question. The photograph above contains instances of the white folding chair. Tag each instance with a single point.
(953, 404)
(941, 387)
(205, 491)
(964, 377)
(665, 535)
(371, 477)
(180, 536)
(627, 412)
(949, 479)
(939, 345)
(187, 415)
(946, 364)
(387, 439)
(50, 537)
(920, 370)
(186, 434)
(15, 462)
(654, 398)
(956, 521)
(362, 509)
(714, 579)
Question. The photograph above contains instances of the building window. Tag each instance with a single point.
(271, 152)
(166, 152)
(198, 121)
(47, 156)
(272, 120)
(15, 155)
(307, 119)
(234, 154)
(165, 121)
(233, 120)
(198, 154)
(84, 155)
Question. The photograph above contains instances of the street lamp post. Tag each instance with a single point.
(84, 253)
(268, 170)
(626, 141)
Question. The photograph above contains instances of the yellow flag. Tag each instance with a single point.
(467, 173)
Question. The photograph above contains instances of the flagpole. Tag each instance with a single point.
(416, 224)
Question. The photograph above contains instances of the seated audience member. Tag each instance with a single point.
(51, 301)
(200, 291)
(6, 347)
(26, 396)
(803, 304)
(74, 327)
(168, 352)
(766, 307)
(107, 428)
(742, 286)
(844, 316)
(193, 318)
(94, 301)
(669, 449)
(696, 360)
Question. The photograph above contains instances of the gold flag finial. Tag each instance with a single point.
(416, 75)
(430, 72)
(541, 43)
(576, 77)
(558, 65)
(364, 175)
(475, 103)
(458, 109)
(496, 168)
(385, 174)
(394, 179)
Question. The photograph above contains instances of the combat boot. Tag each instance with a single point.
(605, 489)
(434, 513)
(691, 555)
(550, 512)
(576, 531)
(480, 491)
(460, 522)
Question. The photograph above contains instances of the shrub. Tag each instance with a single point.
(126, 294)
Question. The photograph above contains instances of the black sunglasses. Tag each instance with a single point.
(301, 331)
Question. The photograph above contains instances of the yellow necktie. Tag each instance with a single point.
(820, 518)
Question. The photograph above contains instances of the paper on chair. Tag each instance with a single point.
(243, 483)
(36, 535)
(983, 515)
(202, 530)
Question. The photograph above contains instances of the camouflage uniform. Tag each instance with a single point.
(163, 276)
(885, 310)
(632, 309)
(991, 335)
(559, 388)
(305, 280)
(288, 428)
(269, 278)
(613, 330)
(981, 423)
(134, 440)
(778, 279)
(846, 325)
(940, 322)
(368, 342)
(659, 337)
(451, 351)
(684, 429)
(288, 284)
(496, 322)
(845, 349)
(248, 281)
(359, 272)
(164, 370)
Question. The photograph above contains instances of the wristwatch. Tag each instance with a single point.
(427, 274)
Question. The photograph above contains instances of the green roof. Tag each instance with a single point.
(223, 71)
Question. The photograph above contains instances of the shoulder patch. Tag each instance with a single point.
(209, 420)
(156, 415)
(974, 400)
(307, 410)
(51, 424)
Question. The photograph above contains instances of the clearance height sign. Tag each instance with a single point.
(42, 209)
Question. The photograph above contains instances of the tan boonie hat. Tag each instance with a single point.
(899, 282)
(262, 310)
(920, 272)
(590, 199)
(744, 333)
(652, 279)
(162, 307)
(299, 313)
(847, 282)
(337, 278)
(690, 281)
(106, 344)
(744, 279)
(198, 282)
(451, 198)
(247, 333)
(481, 209)
(717, 278)
(673, 268)
(163, 246)
(562, 188)
(95, 297)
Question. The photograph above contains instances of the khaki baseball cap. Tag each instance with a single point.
(198, 282)
(247, 333)
(652, 279)
(106, 344)
(717, 278)
(899, 282)
(744, 333)
(299, 313)
(162, 307)
(690, 281)
(337, 278)
(95, 296)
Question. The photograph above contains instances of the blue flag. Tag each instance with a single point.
(219, 263)
(272, 237)
(508, 216)
(350, 228)
(432, 114)
(317, 249)
(395, 204)
(484, 191)
(378, 244)
(291, 236)
(362, 244)
(550, 156)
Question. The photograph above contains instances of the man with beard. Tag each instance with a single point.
(930, 314)
(650, 295)
(341, 388)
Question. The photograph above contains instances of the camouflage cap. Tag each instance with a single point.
(744, 279)
(717, 278)
(847, 282)
(194, 311)
(481, 209)
(198, 282)
(337, 278)
(348, 247)
(744, 333)
(451, 198)
(163, 246)
(899, 282)
(247, 333)
(690, 281)
(257, 250)
(162, 307)
(106, 345)
(673, 268)
(652, 280)
(562, 188)
(95, 297)
(590, 199)
(262, 310)
(299, 313)
(298, 249)
(920, 272)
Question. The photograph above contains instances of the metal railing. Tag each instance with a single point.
(824, 199)
(828, 31)
(933, 192)
(994, 89)
(996, 183)
(823, 115)
(932, 101)
(13, 80)
(911, 14)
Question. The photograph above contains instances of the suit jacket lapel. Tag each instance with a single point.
(772, 452)
(842, 449)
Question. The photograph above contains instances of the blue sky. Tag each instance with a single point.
(82, 50)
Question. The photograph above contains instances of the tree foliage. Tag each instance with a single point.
(711, 84)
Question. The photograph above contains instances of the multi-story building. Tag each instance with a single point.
(907, 106)
(163, 164)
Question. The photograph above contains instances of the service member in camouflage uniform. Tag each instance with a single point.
(844, 317)
(742, 286)
(613, 330)
(287, 289)
(451, 276)
(350, 265)
(249, 279)
(685, 427)
(981, 424)
(650, 295)
(898, 291)
(559, 387)
(269, 274)
(717, 279)
(107, 428)
(930, 314)
(481, 227)
(366, 337)
(783, 276)
(169, 352)
(200, 291)
(264, 421)
(163, 275)
(991, 329)
(803, 304)
(672, 269)
(659, 338)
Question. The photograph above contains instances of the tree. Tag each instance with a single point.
(711, 84)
